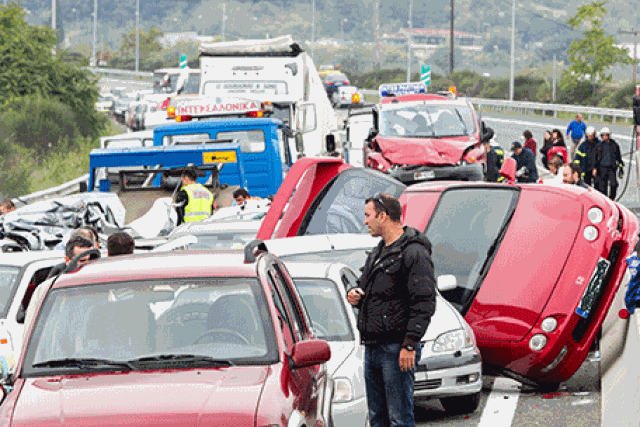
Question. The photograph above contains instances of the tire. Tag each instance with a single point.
(461, 404)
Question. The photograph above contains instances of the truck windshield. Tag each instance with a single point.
(8, 276)
(465, 231)
(426, 121)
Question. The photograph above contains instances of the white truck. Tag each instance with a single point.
(276, 71)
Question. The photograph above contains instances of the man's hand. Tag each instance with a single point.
(407, 359)
(595, 172)
(354, 295)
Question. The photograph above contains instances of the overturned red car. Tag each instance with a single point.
(537, 266)
(420, 136)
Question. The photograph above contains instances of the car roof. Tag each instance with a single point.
(299, 269)
(221, 226)
(22, 258)
(160, 265)
(320, 243)
(426, 98)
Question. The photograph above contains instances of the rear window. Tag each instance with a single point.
(465, 230)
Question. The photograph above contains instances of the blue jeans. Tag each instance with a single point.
(389, 390)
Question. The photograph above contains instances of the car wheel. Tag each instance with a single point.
(461, 404)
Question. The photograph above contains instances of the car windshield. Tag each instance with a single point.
(8, 280)
(426, 120)
(157, 324)
(326, 308)
(465, 230)
(354, 258)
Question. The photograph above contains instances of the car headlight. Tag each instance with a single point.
(537, 342)
(590, 233)
(469, 336)
(342, 390)
(449, 341)
(549, 324)
(595, 215)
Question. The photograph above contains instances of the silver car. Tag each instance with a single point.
(450, 368)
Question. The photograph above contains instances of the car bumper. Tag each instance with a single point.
(349, 414)
(469, 172)
(449, 377)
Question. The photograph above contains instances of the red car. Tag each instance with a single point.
(423, 137)
(172, 339)
(537, 266)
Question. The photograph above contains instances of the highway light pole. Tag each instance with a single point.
(94, 59)
(224, 18)
(451, 42)
(409, 40)
(513, 48)
(635, 51)
(137, 35)
(313, 28)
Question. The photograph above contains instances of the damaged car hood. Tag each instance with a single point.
(423, 151)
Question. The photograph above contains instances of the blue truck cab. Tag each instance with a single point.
(265, 153)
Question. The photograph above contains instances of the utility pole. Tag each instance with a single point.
(451, 42)
(137, 35)
(313, 28)
(635, 50)
(224, 18)
(409, 40)
(378, 34)
(555, 66)
(513, 49)
(94, 58)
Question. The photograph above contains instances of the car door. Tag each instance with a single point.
(357, 125)
(323, 196)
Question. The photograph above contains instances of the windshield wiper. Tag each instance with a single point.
(83, 363)
(183, 358)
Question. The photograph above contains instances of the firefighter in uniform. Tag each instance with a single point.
(495, 158)
(194, 202)
(608, 164)
(586, 156)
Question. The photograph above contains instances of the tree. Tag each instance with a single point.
(592, 56)
(149, 45)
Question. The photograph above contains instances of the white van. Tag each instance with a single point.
(277, 71)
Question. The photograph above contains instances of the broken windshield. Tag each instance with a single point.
(426, 121)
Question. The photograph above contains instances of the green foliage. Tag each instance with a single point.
(149, 48)
(574, 91)
(591, 57)
(621, 98)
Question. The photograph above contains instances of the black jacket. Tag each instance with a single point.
(495, 158)
(528, 160)
(615, 153)
(587, 155)
(400, 293)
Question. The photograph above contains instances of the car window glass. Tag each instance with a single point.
(251, 141)
(426, 120)
(289, 304)
(38, 277)
(221, 318)
(341, 205)
(326, 308)
(349, 281)
(8, 282)
(192, 85)
(285, 321)
(462, 230)
(354, 258)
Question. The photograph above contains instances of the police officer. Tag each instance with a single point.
(586, 156)
(495, 158)
(608, 164)
(526, 169)
(194, 202)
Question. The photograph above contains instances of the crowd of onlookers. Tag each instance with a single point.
(591, 159)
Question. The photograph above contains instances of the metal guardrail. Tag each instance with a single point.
(525, 107)
(59, 191)
(114, 72)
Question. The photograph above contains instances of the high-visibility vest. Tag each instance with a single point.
(199, 205)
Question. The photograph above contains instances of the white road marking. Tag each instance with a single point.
(501, 404)
(540, 125)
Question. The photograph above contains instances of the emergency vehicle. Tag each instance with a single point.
(274, 72)
(417, 136)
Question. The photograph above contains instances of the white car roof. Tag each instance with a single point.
(20, 259)
(320, 243)
(220, 226)
(299, 269)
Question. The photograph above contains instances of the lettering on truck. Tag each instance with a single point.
(216, 108)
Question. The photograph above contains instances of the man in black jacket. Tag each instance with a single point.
(396, 298)
(495, 158)
(526, 169)
(608, 165)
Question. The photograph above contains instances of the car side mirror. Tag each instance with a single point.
(487, 133)
(446, 282)
(309, 353)
(508, 170)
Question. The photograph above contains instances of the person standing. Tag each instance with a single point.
(586, 156)
(495, 158)
(547, 143)
(608, 165)
(194, 202)
(529, 142)
(555, 167)
(396, 298)
(576, 130)
(526, 169)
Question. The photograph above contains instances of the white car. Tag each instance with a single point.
(345, 96)
(450, 368)
(20, 274)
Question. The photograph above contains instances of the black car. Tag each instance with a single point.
(333, 81)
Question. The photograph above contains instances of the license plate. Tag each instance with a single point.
(593, 288)
(219, 157)
(424, 175)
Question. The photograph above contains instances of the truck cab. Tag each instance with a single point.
(418, 136)
(277, 71)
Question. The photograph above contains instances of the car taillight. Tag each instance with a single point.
(184, 118)
(255, 114)
(267, 106)
(329, 83)
(355, 98)
(171, 112)
(346, 82)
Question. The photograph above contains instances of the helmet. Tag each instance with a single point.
(605, 130)
(591, 130)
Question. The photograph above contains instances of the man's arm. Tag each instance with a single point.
(421, 287)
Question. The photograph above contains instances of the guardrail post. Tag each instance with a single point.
(614, 119)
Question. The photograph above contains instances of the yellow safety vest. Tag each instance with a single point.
(199, 205)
